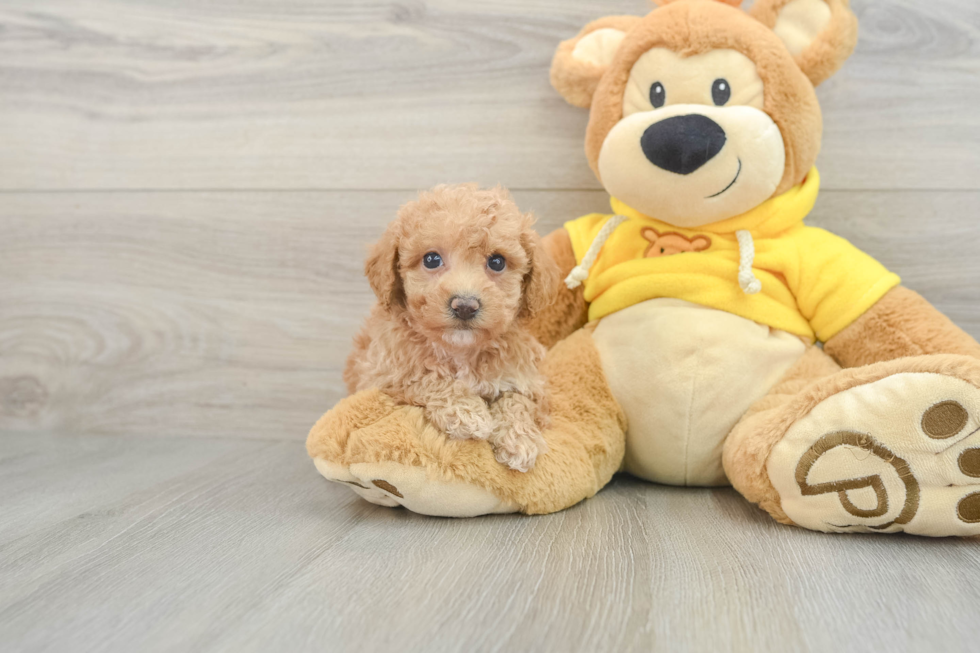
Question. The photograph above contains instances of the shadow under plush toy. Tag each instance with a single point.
(692, 361)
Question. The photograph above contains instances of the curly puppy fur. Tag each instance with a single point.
(476, 377)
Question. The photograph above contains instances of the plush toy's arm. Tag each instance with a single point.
(900, 324)
(569, 311)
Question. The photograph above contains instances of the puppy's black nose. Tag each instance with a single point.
(682, 144)
(464, 308)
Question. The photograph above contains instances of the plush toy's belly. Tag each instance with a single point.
(684, 375)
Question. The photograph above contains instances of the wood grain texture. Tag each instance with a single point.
(354, 94)
(231, 314)
(214, 545)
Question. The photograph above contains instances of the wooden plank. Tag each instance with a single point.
(352, 94)
(253, 551)
(131, 567)
(47, 480)
(231, 314)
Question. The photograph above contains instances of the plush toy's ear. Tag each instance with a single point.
(580, 62)
(820, 34)
(382, 272)
(541, 280)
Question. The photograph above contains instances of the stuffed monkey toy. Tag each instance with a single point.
(685, 344)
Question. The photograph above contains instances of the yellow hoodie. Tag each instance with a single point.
(813, 283)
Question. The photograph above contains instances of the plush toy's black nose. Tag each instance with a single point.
(464, 308)
(682, 144)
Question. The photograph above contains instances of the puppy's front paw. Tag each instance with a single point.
(518, 446)
(464, 421)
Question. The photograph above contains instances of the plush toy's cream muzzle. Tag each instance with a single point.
(691, 165)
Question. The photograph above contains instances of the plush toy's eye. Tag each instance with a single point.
(721, 91)
(658, 96)
(497, 263)
(432, 261)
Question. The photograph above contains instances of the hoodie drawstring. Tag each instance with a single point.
(581, 271)
(749, 283)
(747, 280)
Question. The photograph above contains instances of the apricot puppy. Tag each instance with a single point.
(457, 275)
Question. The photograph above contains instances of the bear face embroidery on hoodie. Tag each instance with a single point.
(669, 243)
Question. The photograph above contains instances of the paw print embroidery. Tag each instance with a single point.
(670, 243)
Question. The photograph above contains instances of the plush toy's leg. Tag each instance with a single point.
(391, 456)
(889, 447)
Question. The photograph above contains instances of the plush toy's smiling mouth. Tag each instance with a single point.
(729, 185)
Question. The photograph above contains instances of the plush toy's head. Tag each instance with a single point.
(701, 111)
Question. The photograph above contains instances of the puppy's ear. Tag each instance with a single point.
(820, 34)
(381, 269)
(543, 275)
(580, 62)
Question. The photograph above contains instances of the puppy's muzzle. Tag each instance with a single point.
(682, 144)
(464, 308)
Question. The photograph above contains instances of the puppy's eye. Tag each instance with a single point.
(721, 91)
(496, 263)
(432, 261)
(658, 96)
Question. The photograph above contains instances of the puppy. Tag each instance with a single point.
(457, 274)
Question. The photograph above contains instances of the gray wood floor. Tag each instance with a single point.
(186, 193)
(157, 544)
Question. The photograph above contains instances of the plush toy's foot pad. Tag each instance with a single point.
(392, 484)
(901, 453)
